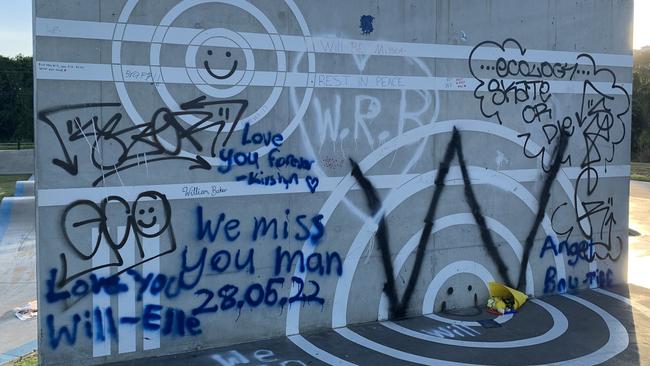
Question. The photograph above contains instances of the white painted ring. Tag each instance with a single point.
(414, 135)
(478, 175)
(137, 118)
(560, 326)
(617, 343)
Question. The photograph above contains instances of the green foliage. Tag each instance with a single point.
(640, 171)
(16, 99)
(8, 184)
(28, 360)
(641, 106)
(643, 146)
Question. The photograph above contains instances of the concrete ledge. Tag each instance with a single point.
(17, 217)
(17, 161)
(24, 188)
(18, 352)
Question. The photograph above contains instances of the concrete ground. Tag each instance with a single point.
(587, 328)
(591, 327)
(639, 255)
(17, 271)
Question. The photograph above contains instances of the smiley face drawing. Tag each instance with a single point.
(221, 63)
(465, 307)
(230, 73)
(144, 228)
(151, 218)
(150, 214)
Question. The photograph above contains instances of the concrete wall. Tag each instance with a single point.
(17, 161)
(188, 151)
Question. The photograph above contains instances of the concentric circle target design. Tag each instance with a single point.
(342, 297)
(438, 343)
(558, 328)
(217, 84)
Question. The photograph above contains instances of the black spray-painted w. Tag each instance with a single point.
(398, 307)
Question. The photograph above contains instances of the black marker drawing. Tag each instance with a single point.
(148, 217)
(397, 306)
(230, 73)
(145, 138)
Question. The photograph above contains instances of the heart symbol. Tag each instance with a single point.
(312, 183)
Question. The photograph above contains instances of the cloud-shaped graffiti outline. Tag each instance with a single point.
(481, 82)
(605, 97)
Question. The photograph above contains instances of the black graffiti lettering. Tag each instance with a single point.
(545, 195)
(70, 164)
(522, 68)
(145, 138)
(397, 307)
(600, 120)
(148, 217)
(532, 113)
(372, 199)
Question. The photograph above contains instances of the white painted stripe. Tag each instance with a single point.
(48, 27)
(617, 342)
(392, 352)
(64, 196)
(318, 353)
(151, 247)
(63, 28)
(54, 70)
(635, 304)
(467, 330)
(47, 70)
(604, 172)
(560, 326)
(447, 51)
(501, 319)
(101, 300)
(617, 297)
(126, 300)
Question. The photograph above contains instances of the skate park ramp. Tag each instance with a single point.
(17, 268)
(24, 188)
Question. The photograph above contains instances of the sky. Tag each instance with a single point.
(16, 26)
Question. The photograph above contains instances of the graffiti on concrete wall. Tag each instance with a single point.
(250, 180)
(454, 149)
(147, 234)
(597, 122)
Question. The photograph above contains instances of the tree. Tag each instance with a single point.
(641, 106)
(16, 99)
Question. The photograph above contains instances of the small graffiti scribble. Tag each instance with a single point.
(366, 24)
(332, 162)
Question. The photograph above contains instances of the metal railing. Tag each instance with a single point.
(18, 145)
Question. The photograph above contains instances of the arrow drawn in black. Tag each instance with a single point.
(148, 133)
(70, 163)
